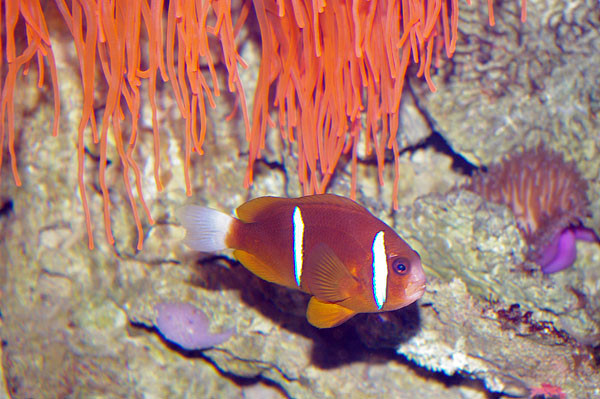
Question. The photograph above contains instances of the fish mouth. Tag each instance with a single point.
(416, 285)
(415, 290)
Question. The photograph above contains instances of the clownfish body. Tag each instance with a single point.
(325, 245)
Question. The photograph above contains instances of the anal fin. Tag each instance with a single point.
(259, 268)
(325, 314)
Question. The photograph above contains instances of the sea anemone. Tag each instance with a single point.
(333, 63)
(328, 64)
(548, 197)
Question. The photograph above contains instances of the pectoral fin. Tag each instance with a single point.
(325, 314)
(326, 277)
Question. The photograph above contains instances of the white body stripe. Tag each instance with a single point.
(298, 244)
(380, 270)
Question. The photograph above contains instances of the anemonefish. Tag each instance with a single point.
(325, 245)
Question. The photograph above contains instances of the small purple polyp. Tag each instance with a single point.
(562, 252)
(187, 326)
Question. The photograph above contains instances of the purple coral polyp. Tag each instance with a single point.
(186, 326)
(549, 199)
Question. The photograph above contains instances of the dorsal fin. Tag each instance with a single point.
(326, 315)
(248, 211)
(332, 199)
(325, 276)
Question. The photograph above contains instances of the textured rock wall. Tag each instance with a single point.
(78, 322)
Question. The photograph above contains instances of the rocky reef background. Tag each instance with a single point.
(79, 323)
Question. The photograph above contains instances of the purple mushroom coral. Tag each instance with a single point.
(561, 252)
(186, 326)
(549, 199)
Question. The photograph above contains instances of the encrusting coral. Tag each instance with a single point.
(322, 60)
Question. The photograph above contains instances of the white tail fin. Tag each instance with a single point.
(206, 228)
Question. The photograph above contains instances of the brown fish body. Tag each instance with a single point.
(326, 245)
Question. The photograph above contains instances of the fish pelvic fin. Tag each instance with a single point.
(260, 268)
(206, 229)
(323, 314)
(326, 276)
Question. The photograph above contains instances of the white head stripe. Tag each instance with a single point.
(298, 243)
(380, 270)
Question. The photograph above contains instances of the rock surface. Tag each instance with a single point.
(79, 323)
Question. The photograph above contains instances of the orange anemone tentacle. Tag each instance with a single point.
(109, 34)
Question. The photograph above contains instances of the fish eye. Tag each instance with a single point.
(400, 266)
